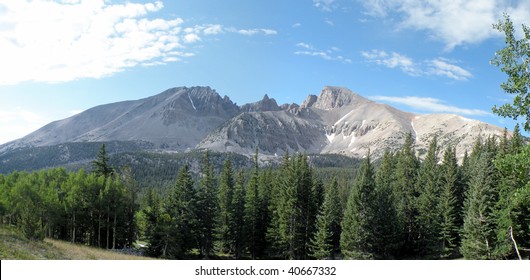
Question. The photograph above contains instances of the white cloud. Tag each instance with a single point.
(49, 41)
(329, 54)
(191, 38)
(454, 22)
(61, 41)
(305, 46)
(429, 104)
(250, 32)
(296, 25)
(442, 67)
(325, 5)
(393, 60)
(18, 122)
(435, 67)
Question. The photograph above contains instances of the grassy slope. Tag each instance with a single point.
(13, 246)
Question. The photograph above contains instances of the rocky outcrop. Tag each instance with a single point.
(266, 104)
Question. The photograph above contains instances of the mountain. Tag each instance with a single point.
(176, 119)
(339, 121)
(181, 119)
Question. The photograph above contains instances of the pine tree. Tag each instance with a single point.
(517, 142)
(449, 207)
(387, 239)
(427, 220)
(206, 208)
(264, 194)
(225, 198)
(236, 217)
(252, 214)
(101, 163)
(153, 233)
(294, 214)
(356, 240)
(181, 210)
(479, 223)
(326, 242)
(407, 166)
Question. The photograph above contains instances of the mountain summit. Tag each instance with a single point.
(337, 121)
(332, 98)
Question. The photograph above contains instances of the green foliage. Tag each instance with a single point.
(295, 214)
(449, 205)
(237, 239)
(406, 173)
(387, 237)
(514, 60)
(356, 240)
(478, 234)
(326, 242)
(512, 207)
(179, 219)
(207, 208)
(428, 221)
(101, 164)
(226, 200)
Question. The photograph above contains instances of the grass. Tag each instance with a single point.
(14, 246)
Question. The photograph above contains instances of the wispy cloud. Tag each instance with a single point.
(295, 25)
(429, 104)
(325, 5)
(434, 67)
(454, 22)
(18, 122)
(443, 67)
(61, 41)
(250, 32)
(329, 54)
(392, 60)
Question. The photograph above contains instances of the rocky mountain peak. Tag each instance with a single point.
(331, 98)
(264, 105)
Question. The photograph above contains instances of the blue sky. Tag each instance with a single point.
(61, 57)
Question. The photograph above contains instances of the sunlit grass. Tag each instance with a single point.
(13, 246)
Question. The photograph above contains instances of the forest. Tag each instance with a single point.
(399, 207)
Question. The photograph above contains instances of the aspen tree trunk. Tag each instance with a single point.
(114, 232)
(73, 229)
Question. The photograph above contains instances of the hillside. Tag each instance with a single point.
(14, 246)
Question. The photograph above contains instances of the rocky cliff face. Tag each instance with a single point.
(337, 121)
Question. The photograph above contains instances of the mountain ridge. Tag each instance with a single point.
(181, 119)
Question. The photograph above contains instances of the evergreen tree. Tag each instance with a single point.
(294, 215)
(356, 240)
(517, 142)
(225, 198)
(237, 219)
(206, 208)
(512, 209)
(101, 163)
(153, 233)
(386, 225)
(427, 219)
(181, 210)
(326, 242)
(449, 204)
(406, 171)
(478, 234)
(264, 195)
(252, 214)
